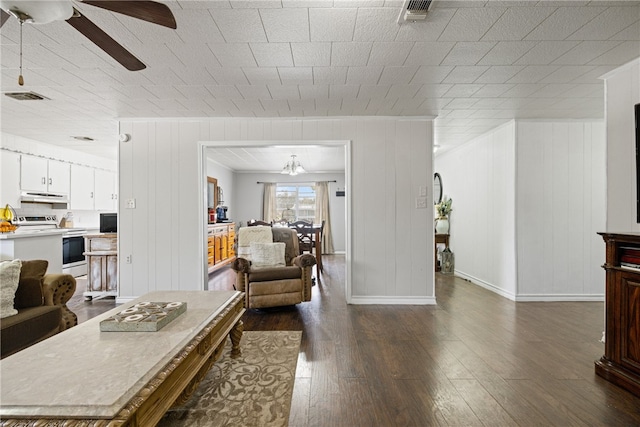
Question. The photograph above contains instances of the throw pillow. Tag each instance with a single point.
(29, 293)
(267, 254)
(34, 268)
(9, 278)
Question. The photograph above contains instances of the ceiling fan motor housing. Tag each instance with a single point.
(38, 12)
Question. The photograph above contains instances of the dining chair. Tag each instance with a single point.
(305, 235)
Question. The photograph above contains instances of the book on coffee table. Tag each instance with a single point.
(144, 316)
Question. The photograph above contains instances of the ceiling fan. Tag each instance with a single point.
(46, 11)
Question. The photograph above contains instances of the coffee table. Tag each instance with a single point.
(120, 378)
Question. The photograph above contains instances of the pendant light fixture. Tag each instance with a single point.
(293, 167)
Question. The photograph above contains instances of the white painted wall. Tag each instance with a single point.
(480, 178)
(622, 93)
(249, 199)
(560, 208)
(528, 199)
(392, 242)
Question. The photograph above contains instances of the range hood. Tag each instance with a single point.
(59, 201)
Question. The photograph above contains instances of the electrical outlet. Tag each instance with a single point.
(131, 203)
(422, 191)
(128, 259)
(421, 202)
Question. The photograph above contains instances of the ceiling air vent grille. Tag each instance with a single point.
(414, 10)
(26, 96)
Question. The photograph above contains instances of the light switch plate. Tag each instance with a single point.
(422, 191)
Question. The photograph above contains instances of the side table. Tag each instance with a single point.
(439, 238)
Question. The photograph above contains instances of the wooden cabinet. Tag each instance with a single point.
(10, 182)
(43, 175)
(101, 251)
(105, 188)
(92, 189)
(220, 245)
(82, 193)
(620, 363)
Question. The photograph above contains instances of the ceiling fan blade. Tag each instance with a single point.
(150, 11)
(105, 42)
(3, 17)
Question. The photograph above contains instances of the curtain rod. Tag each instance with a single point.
(291, 182)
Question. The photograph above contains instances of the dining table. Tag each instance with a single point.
(316, 231)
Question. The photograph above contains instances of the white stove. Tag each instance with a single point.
(35, 224)
(73, 259)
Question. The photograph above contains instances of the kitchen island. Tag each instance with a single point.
(40, 244)
(101, 252)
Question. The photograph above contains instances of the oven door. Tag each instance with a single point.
(73, 260)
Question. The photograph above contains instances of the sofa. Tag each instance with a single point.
(33, 304)
(272, 281)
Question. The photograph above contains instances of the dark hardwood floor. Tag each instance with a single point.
(474, 359)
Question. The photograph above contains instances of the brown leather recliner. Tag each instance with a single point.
(276, 286)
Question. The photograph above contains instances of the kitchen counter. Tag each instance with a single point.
(36, 245)
(21, 234)
(34, 233)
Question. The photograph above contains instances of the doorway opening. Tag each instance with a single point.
(242, 189)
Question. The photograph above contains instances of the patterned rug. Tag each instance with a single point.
(252, 390)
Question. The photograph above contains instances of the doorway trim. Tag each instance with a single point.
(202, 200)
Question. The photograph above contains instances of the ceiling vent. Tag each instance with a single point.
(26, 96)
(414, 10)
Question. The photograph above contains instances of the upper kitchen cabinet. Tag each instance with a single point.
(105, 190)
(10, 182)
(43, 175)
(82, 188)
(92, 189)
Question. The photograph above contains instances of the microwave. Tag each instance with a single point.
(108, 222)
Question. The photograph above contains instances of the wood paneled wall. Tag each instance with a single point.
(622, 93)
(480, 178)
(391, 240)
(560, 208)
(529, 198)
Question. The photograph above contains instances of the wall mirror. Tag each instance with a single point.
(437, 188)
(212, 192)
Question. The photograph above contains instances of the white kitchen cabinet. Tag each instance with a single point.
(106, 195)
(38, 174)
(10, 179)
(82, 193)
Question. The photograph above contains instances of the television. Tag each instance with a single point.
(108, 222)
(637, 112)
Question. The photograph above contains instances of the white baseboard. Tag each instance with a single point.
(532, 297)
(386, 300)
(486, 285)
(560, 298)
(124, 300)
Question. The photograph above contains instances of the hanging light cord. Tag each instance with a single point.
(20, 78)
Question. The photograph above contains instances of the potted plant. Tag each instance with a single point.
(443, 210)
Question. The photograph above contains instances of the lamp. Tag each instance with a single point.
(293, 167)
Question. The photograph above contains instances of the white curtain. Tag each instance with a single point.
(322, 213)
(269, 202)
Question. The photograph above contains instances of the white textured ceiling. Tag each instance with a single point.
(473, 64)
(314, 158)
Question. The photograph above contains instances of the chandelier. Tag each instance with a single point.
(293, 167)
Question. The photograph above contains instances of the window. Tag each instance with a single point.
(296, 202)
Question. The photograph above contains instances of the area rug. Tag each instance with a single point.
(252, 390)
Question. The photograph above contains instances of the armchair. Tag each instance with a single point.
(275, 286)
